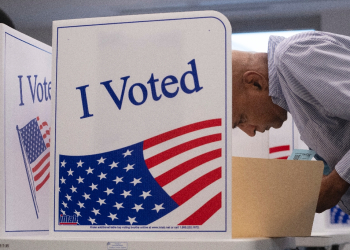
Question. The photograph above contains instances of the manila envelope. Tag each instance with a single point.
(274, 198)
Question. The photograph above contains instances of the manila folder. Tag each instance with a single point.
(274, 198)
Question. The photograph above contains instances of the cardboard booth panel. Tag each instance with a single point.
(25, 112)
(274, 198)
(142, 125)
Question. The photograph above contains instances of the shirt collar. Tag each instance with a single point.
(275, 90)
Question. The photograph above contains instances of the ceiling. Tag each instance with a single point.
(36, 14)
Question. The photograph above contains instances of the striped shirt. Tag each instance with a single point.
(309, 76)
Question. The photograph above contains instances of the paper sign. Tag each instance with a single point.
(25, 82)
(142, 124)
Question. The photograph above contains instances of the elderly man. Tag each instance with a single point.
(307, 75)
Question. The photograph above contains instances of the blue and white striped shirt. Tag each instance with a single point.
(309, 76)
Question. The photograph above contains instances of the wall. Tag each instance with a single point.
(336, 22)
(332, 21)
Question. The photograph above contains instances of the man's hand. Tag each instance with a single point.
(332, 189)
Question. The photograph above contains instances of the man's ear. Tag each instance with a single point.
(255, 80)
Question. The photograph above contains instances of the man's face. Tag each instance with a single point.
(254, 111)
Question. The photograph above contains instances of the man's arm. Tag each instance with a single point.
(332, 189)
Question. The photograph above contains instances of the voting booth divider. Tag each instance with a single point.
(142, 126)
(25, 111)
(138, 141)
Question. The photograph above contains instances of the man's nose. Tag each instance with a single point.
(248, 129)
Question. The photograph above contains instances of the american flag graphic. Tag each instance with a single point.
(338, 216)
(35, 144)
(147, 181)
(275, 152)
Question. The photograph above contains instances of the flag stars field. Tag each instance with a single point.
(121, 183)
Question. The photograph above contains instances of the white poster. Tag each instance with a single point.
(142, 125)
(27, 116)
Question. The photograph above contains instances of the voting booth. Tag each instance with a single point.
(138, 140)
(25, 111)
(142, 126)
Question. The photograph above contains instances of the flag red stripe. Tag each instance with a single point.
(37, 176)
(183, 168)
(204, 212)
(167, 154)
(43, 182)
(180, 131)
(196, 186)
(283, 158)
(41, 162)
(279, 149)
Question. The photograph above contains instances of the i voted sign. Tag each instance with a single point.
(141, 126)
(25, 124)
